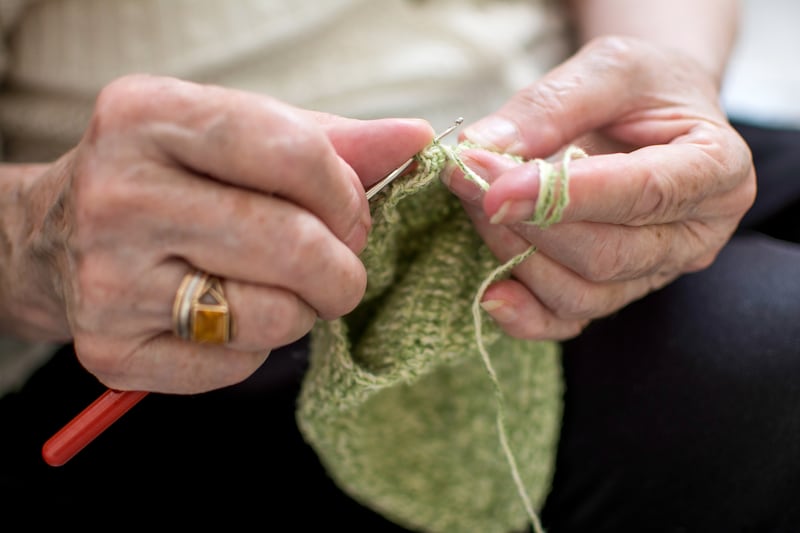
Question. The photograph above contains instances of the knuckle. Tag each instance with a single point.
(280, 328)
(101, 201)
(545, 100)
(608, 262)
(124, 100)
(618, 52)
(606, 57)
(95, 289)
(309, 238)
(350, 280)
(660, 195)
(655, 197)
(95, 282)
(576, 304)
(298, 144)
(342, 269)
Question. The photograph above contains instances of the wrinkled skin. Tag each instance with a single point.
(667, 181)
(172, 176)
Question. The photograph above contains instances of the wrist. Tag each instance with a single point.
(32, 228)
(707, 35)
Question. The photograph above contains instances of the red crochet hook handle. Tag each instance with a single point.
(89, 423)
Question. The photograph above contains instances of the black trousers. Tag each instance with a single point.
(682, 411)
(682, 414)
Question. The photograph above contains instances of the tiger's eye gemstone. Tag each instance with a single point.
(211, 324)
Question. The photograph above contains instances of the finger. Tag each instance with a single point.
(653, 185)
(373, 148)
(597, 251)
(239, 138)
(520, 314)
(612, 252)
(600, 252)
(582, 94)
(262, 317)
(234, 233)
(603, 83)
(168, 364)
(265, 317)
(487, 165)
(279, 245)
(563, 291)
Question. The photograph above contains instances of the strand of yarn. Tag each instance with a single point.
(550, 204)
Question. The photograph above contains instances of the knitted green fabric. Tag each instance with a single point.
(397, 401)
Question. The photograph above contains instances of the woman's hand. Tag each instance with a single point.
(171, 177)
(666, 183)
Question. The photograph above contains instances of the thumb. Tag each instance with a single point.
(588, 91)
(375, 147)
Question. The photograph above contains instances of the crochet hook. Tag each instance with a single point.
(378, 187)
(89, 423)
(112, 404)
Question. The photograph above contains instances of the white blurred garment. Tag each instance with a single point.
(762, 85)
(434, 59)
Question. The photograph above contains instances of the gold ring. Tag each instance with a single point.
(200, 312)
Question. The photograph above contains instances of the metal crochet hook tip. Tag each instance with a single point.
(378, 187)
(448, 131)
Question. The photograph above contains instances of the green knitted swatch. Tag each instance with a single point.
(397, 401)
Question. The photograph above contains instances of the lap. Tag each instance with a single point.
(233, 454)
(683, 410)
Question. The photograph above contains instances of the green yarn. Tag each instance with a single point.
(553, 188)
(396, 401)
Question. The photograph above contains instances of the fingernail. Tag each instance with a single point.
(500, 310)
(514, 211)
(466, 188)
(357, 240)
(446, 175)
(495, 133)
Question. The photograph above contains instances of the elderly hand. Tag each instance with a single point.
(666, 183)
(171, 177)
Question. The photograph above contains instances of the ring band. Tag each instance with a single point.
(200, 312)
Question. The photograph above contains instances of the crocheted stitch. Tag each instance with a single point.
(397, 402)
